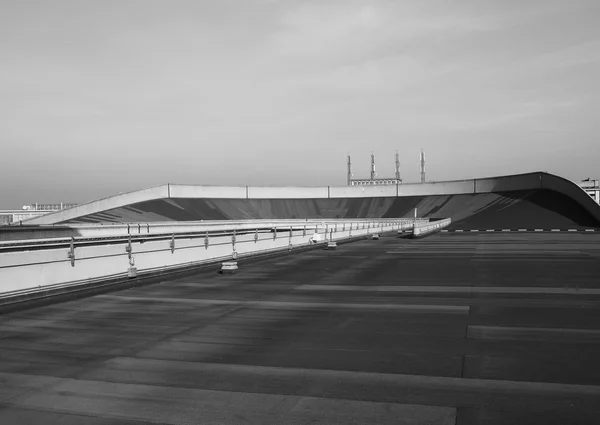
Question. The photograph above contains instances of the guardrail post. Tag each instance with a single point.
(233, 239)
(128, 248)
(206, 240)
(304, 231)
(71, 254)
(275, 233)
(172, 244)
(256, 236)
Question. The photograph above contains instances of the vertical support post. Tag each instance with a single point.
(71, 253)
(128, 248)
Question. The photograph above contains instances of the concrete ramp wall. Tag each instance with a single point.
(485, 202)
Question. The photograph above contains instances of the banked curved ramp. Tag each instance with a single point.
(534, 200)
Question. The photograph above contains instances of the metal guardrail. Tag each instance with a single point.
(38, 266)
(425, 229)
(143, 232)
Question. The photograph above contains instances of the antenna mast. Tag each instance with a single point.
(399, 180)
(372, 166)
(422, 167)
(349, 171)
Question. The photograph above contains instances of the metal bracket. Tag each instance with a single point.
(128, 248)
(71, 254)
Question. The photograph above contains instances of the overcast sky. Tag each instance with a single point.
(99, 97)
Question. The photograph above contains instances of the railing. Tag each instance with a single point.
(424, 229)
(40, 266)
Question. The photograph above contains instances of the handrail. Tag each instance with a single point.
(161, 230)
(65, 264)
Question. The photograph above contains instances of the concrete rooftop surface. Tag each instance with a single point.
(452, 329)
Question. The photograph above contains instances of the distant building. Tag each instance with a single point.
(374, 182)
(592, 188)
(48, 207)
(8, 217)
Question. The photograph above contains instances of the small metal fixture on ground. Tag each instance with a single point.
(229, 267)
(331, 245)
(132, 272)
(375, 237)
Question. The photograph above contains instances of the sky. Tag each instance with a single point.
(102, 97)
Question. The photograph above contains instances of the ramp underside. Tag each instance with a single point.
(516, 209)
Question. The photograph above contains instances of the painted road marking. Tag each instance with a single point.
(453, 289)
(291, 305)
(533, 334)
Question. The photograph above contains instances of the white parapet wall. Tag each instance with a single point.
(423, 229)
(37, 267)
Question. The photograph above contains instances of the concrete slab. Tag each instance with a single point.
(468, 334)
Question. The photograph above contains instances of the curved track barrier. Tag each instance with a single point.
(519, 201)
(37, 268)
(422, 230)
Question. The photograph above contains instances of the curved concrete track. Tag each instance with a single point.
(455, 328)
(519, 209)
(534, 200)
